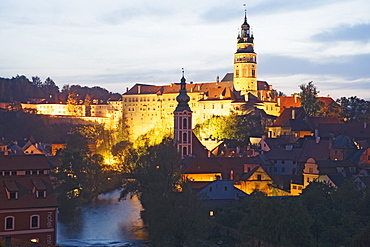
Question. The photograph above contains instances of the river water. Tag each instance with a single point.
(105, 222)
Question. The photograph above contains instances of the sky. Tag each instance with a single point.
(115, 43)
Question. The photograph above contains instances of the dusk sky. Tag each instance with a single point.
(115, 44)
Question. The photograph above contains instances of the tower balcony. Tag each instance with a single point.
(245, 60)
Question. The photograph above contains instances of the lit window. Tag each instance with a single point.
(35, 221)
(9, 223)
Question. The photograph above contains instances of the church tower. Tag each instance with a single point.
(245, 61)
(183, 121)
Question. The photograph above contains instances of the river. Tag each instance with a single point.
(105, 222)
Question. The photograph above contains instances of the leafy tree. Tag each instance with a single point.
(309, 100)
(72, 104)
(171, 211)
(230, 127)
(354, 109)
(87, 104)
(80, 175)
(331, 110)
(50, 87)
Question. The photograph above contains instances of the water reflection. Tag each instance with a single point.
(104, 222)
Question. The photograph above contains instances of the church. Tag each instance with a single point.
(149, 106)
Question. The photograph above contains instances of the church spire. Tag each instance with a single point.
(183, 121)
(183, 98)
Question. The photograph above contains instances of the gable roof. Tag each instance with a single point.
(24, 162)
(316, 150)
(23, 185)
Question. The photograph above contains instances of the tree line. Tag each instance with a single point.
(351, 109)
(21, 89)
(321, 216)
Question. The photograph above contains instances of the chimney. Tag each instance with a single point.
(295, 96)
(139, 89)
(316, 133)
(278, 101)
(126, 89)
(293, 113)
(217, 79)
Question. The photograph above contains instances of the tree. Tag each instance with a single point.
(80, 175)
(50, 87)
(309, 100)
(171, 210)
(74, 108)
(354, 109)
(87, 104)
(331, 110)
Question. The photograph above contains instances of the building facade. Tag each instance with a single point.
(148, 106)
(28, 205)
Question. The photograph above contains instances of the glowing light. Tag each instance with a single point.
(34, 240)
(211, 213)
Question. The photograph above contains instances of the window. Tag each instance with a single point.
(184, 151)
(41, 193)
(225, 188)
(259, 177)
(310, 170)
(294, 187)
(210, 188)
(184, 138)
(13, 195)
(185, 123)
(35, 221)
(9, 223)
(283, 169)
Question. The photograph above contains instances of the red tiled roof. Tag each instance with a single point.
(353, 130)
(23, 162)
(317, 151)
(26, 199)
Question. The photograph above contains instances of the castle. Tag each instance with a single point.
(148, 106)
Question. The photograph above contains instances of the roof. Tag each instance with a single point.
(284, 120)
(358, 131)
(281, 153)
(24, 162)
(215, 165)
(316, 150)
(26, 199)
(343, 141)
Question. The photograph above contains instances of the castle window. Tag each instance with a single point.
(184, 138)
(35, 221)
(185, 123)
(184, 151)
(9, 223)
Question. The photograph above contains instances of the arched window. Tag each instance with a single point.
(185, 123)
(184, 138)
(184, 151)
(9, 223)
(35, 221)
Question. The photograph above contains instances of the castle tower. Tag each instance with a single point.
(183, 118)
(245, 61)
